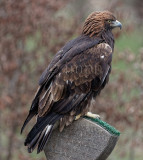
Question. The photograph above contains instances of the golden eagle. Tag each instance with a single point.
(76, 75)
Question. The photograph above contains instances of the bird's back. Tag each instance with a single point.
(73, 79)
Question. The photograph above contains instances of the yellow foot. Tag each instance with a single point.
(78, 117)
(91, 115)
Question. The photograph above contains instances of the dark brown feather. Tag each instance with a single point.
(94, 24)
(76, 75)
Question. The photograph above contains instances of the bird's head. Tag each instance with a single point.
(97, 22)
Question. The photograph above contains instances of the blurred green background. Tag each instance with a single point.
(32, 31)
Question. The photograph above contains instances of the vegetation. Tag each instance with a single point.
(32, 32)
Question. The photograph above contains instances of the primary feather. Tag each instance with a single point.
(76, 75)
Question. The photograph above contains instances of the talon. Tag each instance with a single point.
(91, 115)
(78, 117)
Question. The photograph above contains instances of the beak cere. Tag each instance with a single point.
(116, 24)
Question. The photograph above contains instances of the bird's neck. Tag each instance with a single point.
(105, 36)
(108, 37)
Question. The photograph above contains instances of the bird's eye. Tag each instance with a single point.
(109, 21)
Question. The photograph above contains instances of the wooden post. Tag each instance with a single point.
(85, 139)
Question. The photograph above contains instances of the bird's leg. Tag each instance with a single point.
(78, 117)
(88, 114)
(91, 115)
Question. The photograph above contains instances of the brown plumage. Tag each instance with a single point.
(77, 74)
(96, 25)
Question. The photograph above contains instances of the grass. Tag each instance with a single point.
(120, 65)
(128, 150)
(132, 41)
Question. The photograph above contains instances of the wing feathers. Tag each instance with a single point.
(70, 50)
(53, 94)
(29, 117)
(66, 87)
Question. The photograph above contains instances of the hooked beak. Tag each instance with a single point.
(115, 24)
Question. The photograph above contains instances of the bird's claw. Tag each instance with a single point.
(77, 117)
(91, 115)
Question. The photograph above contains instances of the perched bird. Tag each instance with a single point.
(73, 79)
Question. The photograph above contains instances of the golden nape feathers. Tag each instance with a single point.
(73, 79)
(96, 22)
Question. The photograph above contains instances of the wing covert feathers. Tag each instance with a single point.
(66, 88)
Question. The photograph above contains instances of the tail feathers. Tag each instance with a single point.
(40, 139)
(29, 117)
(42, 122)
(32, 112)
(34, 142)
(41, 132)
(45, 138)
